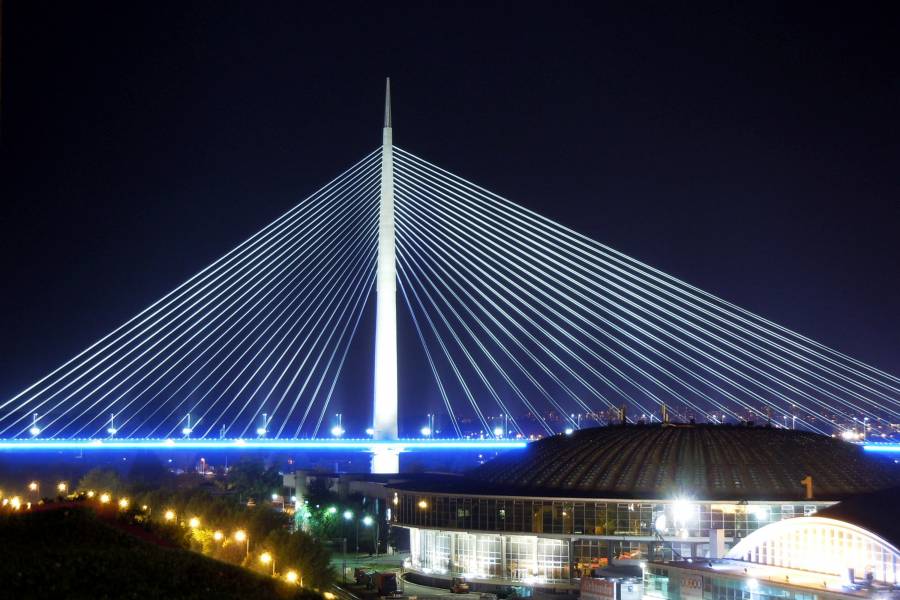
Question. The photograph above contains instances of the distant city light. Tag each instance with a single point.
(569, 431)
(35, 431)
(337, 431)
(425, 431)
(498, 431)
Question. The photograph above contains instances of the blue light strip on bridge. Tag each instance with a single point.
(890, 448)
(262, 444)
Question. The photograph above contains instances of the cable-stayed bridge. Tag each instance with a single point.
(524, 327)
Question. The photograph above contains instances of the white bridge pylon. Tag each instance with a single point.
(526, 327)
(385, 407)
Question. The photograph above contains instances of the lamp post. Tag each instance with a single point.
(368, 521)
(266, 558)
(35, 487)
(241, 536)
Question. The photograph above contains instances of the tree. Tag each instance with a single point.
(304, 553)
(101, 480)
(251, 479)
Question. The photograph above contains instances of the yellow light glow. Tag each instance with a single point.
(169, 515)
(423, 504)
(90, 494)
(61, 486)
(123, 503)
(291, 576)
(104, 498)
(240, 535)
(218, 536)
(15, 503)
(33, 486)
(194, 522)
(144, 507)
(328, 595)
(265, 558)
(5, 501)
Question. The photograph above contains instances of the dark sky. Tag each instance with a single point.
(752, 150)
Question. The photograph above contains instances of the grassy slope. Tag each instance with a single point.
(71, 554)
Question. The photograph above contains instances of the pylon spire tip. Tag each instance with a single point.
(387, 102)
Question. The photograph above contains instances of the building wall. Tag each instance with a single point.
(537, 539)
(529, 559)
(685, 519)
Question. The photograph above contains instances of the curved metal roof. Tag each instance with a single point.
(702, 461)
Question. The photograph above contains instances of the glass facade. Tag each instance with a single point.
(605, 518)
(555, 539)
(485, 556)
(675, 584)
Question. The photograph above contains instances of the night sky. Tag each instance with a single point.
(752, 151)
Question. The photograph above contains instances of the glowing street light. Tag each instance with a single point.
(368, 520)
(194, 523)
(90, 493)
(291, 576)
(218, 536)
(169, 515)
(348, 514)
(425, 431)
(35, 430)
(338, 430)
(62, 486)
(332, 510)
(241, 536)
(123, 503)
(104, 498)
(498, 431)
(266, 558)
(569, 431)
(423, 504)
(34, 486)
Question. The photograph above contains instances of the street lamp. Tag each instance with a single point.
(169, 515)
(348, 514)
(218, 536)
(123, 503)
(266, 558)
(104, 498)
(241, 536)
(194, 523)
(291, 576)
(338, 430)
(35, 487)
(368, 521)
(62, 486)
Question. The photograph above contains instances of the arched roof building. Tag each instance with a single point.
(630, 492)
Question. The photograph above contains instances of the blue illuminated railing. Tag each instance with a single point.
(263, 444)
